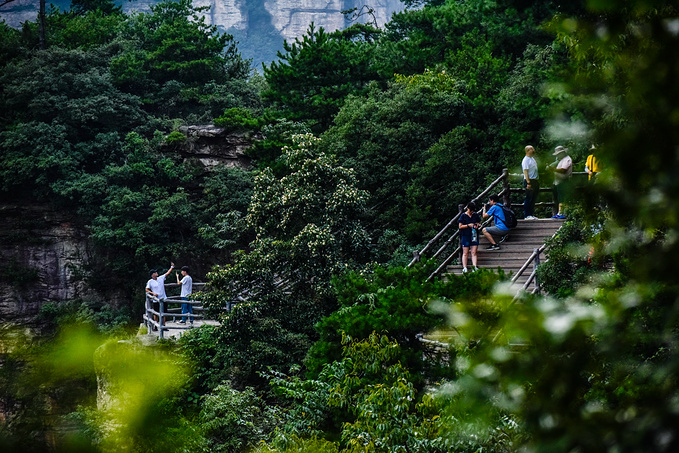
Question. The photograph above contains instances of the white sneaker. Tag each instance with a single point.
(464, 270)
(531, 217)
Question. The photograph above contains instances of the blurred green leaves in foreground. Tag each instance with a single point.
(80, 391)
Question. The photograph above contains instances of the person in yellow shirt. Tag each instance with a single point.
(592, 166)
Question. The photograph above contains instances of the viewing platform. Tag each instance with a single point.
(163, 318)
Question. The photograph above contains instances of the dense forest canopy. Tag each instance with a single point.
(363, 143)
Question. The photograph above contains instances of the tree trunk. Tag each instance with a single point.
(41, 22)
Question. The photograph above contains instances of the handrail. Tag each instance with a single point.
(443, 260)
(164, 312)
(534, 257)
(452, 255)
(417, 255)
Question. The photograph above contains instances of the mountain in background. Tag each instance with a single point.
(260, 26)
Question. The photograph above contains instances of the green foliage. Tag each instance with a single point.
(384, 136)
(75, 136)
(234, 421)
(528, 98)
(15, 274)
(49, 384)
(173, 43)
(314, 215)
(86, 31)
(10, 45)
(175, 138)
(139, 413)
(448, 175)
(431, 140)
(274, 332)
(237, 119)
(295, 444)
(200, 347)
(315, 74)
(398, 303)
(599, 368)
(307, 228)
(367, 397)
(592, 367)
(277, 135)
(575, 254)
(174, 61)
(226, 195)
(69, 87)
(68, 127)
(106, 7)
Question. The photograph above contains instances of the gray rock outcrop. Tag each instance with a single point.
(42, 254)
(290, 17)
(211, 146)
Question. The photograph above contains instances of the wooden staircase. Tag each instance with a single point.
(515, 250)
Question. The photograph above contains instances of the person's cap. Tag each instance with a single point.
(185, 268)
(153, 271)
(560, 149)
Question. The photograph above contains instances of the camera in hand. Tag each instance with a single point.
(486, 206)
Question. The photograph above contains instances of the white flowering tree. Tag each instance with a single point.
(307, 228)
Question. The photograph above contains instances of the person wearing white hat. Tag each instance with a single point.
(562, 168)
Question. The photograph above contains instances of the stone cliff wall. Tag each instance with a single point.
(290, 18)
(42, 252)
(211, 146)
(45, 253)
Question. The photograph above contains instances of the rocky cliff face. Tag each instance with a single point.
(248, 20)
(46, 254)
(290, 17)
(212, 146)
(42, 253)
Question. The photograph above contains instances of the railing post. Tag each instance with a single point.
(506, 197)
(161, 321)
(416, 256)
(536, 263)
(149, 325)
(460, 208)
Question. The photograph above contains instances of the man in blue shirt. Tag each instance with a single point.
(499, 229)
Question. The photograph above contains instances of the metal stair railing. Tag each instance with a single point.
(441, 256)
(534, 259)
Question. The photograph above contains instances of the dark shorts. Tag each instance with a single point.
(467, 241)
(562, 191)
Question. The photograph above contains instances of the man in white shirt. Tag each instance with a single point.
(530, 182)
(156, 285)
(187, 288)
